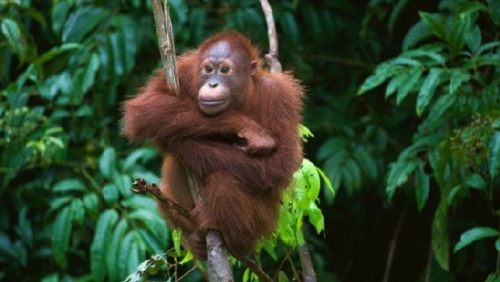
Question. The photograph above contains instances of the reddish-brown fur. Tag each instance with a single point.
(241, 191)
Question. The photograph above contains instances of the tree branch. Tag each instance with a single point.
(308, 273)
(166, 45)
(219, 267)
(392, 246)
(272, 56)
(140, 186)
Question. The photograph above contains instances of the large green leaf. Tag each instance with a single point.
(61, 234)
(81, 22)
(416, 34)
(107, 162)
(474, 234)
(427, 90)
(12, 32)
(382, 73)
(407, 86)
(113, 252)
(399, 173)
(457, 78)
(435, 23)
(100, 243)
(421, 187)
(69, 185)
(439, 235)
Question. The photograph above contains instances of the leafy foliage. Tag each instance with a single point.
(452, 72)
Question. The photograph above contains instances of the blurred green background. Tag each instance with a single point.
(403, 99)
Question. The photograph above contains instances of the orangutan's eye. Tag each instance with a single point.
(207, 69)
(224, 70)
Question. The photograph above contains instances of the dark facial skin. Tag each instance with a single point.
(223, 75)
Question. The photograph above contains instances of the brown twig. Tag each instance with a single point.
(140, 186)
(165, 35)
(252, 265)
(392, 247)
(272, 56)
(282, 263)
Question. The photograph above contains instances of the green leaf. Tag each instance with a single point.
(78, 211)
(61, 234)
(493, 277)
(99, 247)
(439, 235)
(474, 234)
(152, 243)
(69, 185)
(458, 77)
(311, 175)
(107, 162)
(110, 193)
(84, 78)
(152, 221)
(417, 33)
(141, 155)
(282, 277)
(471, 7)
(437, 113)
(475, 181)
(427, 90)
(114, 251)
(91, 203)
(126, 246)
(398, 174)
(395, 83)
(497, 245)
(396, 11)
(330, 147)
(58, 15)
(327, 182)
(316, 217)
(366, 162)
(382, 73)
(176, 239)
(123, 183)
(412, 79)
(487, 47)
(494, 155)
(81, 22)
(351, 176)
(12, 33)
(473, 39)
(421, 187)
(456, 31)
(435, 23)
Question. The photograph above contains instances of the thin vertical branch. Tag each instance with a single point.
(308, 273)
(272, 56)
(165, 35)
(392, 247)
